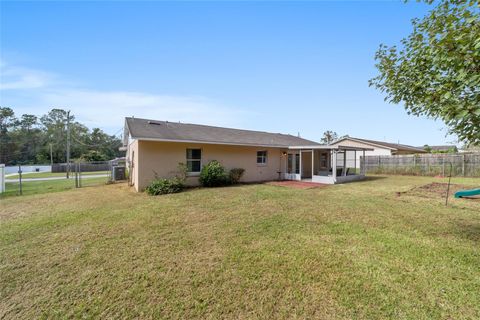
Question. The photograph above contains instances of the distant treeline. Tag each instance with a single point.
(28, 139)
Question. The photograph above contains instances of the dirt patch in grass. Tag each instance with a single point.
(434, 190)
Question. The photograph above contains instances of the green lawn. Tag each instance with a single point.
(386, 248)
(31, 175)
(38, 187)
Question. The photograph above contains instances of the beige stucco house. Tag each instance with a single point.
(377, 148)
(155, 148)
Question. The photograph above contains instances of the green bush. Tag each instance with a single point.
(173, 185)
(164, 186)
(235, 175)
(213, 175)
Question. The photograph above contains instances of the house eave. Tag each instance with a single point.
(210, 142)
(364, 142)
(329, 147)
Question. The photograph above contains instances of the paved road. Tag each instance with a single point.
(89, 176)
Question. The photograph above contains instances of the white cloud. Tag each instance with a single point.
(17, 78)
(35, 92)
(109, 108)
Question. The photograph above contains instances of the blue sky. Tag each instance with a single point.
(276, 66)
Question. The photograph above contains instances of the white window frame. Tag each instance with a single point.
(265, 161)
(194, 173)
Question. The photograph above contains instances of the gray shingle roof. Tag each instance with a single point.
(394, 146)
(174, 131)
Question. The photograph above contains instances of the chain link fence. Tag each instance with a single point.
(62, 176)
(462, 165)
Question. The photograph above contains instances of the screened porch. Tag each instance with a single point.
(324, 164)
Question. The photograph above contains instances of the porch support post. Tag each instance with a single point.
(313, 164)
(334, 165)
(355, 160)
(344, 162)
(300, 164)
(364, 167)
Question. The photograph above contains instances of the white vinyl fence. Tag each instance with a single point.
(25, 169)
(461, 164)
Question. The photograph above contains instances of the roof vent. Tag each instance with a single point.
(155, 123)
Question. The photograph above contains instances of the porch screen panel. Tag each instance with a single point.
(297, 163)
(290, 163)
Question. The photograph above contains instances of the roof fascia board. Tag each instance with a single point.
(365, 142)
(330, 147)
(210, 142)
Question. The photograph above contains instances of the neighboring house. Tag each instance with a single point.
(379, 148)
(441, 149)
(155, 148)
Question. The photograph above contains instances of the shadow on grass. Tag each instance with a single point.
(469, 231)
(373, 178)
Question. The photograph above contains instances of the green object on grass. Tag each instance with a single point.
(467, 193)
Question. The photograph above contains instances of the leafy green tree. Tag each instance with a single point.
(329, 137)
(104, 143)
(28, 121)
(93, 155)
(55, 127)
(54, 124)
(27, 140)
(436, 71)
(7, 144)
(7, 119)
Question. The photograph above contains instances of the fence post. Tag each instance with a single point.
(79, 174)
(463, 165)
(443, 166)
(76, 175)
(20, 179)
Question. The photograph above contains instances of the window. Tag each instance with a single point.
(261, 157)
(194, 160)
(297, 163)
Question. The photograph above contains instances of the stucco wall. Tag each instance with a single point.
(162, 159)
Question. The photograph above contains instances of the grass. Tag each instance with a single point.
(31, 175)
(49, 186)
(366, 250)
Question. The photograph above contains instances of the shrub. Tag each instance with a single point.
(235, 175)
(173, 185)
(164, 186)
(213, 175)
(182, 171)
